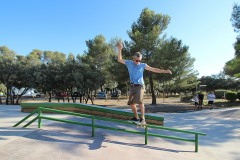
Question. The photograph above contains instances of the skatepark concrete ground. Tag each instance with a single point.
(61, 141)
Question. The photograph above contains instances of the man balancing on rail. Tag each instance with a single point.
(136, 69)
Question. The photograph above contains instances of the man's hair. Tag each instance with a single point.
(138, 55)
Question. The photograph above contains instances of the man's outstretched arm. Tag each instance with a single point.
(120, 46)
(157, 70)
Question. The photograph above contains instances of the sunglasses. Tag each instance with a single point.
(136, 60)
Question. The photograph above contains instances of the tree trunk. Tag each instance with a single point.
(154, 101)
(17, 101)
(18, 98)
(92, 98)
(68, 99)
(50, 97)
(89, 96)
(12, 96)
(80, 99)
(8, 95)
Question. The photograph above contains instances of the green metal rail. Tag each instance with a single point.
(93, 125)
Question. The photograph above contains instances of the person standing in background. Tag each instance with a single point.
(196, 100)
(200, 98)
(211, 96)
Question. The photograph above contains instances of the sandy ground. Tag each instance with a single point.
(60, 141)
(163, 105)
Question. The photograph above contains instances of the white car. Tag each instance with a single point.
(31, 92)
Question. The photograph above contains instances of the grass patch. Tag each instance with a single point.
(227, 104)
(221, 103)
(224, 103)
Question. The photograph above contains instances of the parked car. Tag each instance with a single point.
(115, 95)
(31, 92)
(61, 95)
(77, 94)
(102, 95)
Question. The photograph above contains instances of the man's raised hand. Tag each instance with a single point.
(120, 45)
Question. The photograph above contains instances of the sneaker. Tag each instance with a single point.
(135, 120)
(142, 121)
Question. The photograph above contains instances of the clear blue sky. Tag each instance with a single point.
(65, 25)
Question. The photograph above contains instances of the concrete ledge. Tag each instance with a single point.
(92, 110)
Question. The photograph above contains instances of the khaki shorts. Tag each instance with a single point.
(136, 94)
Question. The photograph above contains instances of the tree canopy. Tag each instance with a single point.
(54, 72)
(232, 67)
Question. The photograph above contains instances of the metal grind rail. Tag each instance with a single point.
(94, 126)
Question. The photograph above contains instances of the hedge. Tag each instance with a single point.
(238, 95)
(231, 96)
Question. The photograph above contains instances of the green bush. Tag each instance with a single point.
(231, 96)
(238, 95)
(219, 93)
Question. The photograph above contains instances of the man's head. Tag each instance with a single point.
(137, 57)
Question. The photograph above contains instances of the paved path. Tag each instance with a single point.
(60, 141)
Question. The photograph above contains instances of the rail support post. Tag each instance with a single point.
(93, 128)
(196, 142)
(39, 118)
(146, 135)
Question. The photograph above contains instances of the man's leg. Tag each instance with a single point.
(142, 110)
(196, 105)
(134, 109)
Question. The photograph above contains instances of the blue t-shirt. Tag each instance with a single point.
(135, 71)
